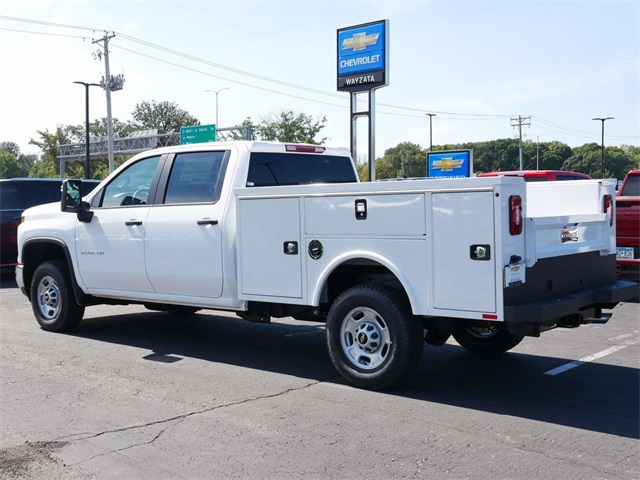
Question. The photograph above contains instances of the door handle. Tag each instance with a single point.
(207, 221)
(133, 223)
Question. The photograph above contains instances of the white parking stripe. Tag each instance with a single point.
(590, 358)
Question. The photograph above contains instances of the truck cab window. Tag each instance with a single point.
(269, 169)
(195, 178)
(131, 186)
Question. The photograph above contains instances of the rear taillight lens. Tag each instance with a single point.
(608, 207)
(515, 215)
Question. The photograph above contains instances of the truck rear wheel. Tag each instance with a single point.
(489, 340)
(372, 337)
(52, 299)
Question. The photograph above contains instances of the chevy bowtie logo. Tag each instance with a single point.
(360, 41)
(447, 164)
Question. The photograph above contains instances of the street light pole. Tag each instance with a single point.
(217, 92)
(538, 150)
(87, 170)
(602, 119)
(431, 115)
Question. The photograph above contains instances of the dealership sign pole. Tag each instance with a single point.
(363, 59)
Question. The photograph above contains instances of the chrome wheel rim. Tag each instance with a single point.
(483, 332)
(365, 338)
(48, 299)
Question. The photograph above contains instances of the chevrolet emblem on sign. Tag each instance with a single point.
(447, 164)
(359, 41)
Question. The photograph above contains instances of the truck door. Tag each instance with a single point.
(183, 235)
(110, 248)
(464, 272)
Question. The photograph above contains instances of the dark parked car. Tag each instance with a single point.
(18, 194)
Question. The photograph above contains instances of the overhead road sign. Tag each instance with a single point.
(197, 134)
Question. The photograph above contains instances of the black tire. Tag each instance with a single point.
(373, 339)
(52, 299)
(489, 340)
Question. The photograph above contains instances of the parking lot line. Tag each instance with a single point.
(590, 358)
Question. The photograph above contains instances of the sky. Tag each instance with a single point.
(475, 64)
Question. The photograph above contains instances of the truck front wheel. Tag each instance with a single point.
(373, 339)
(489, 340)
(52, 300)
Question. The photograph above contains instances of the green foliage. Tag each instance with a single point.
(286, 126)
(10, 167)
(404, 160)
(166, 117)
(617, 161)
(239, 135)
(10, 147)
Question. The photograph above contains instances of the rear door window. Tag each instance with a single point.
(196, 177)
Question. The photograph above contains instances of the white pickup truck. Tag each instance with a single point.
(273, 230)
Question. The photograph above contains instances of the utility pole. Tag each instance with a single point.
(431, 115)
(109, 83)
(602, 154)
(520, 122)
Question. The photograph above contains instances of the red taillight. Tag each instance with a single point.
(608, 208)
(290, 147)
(515, 215)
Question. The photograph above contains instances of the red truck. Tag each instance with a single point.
(628, 222)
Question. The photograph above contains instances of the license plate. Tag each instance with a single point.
(514, 275)
(624, 253)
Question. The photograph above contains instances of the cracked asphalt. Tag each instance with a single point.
(134, 394)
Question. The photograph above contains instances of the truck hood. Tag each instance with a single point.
(47, 208)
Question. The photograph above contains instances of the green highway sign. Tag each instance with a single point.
(197, 134)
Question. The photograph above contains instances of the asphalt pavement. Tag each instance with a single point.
(134, 394)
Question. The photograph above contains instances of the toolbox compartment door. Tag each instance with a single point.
(463, 230)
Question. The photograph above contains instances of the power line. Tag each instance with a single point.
(41, 33)
(419, 111)
(250, 74)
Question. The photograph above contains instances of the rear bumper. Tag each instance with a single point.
(586, 302)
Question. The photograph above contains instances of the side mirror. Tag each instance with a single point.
(71, 200)
(71, 195)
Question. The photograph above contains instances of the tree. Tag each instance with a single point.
(10, 147)
(240, 134)
(165, 116)
(404, 160)
(286, 126)
(553, 155)
(585, 159)
(25, 161)
(10, 167)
